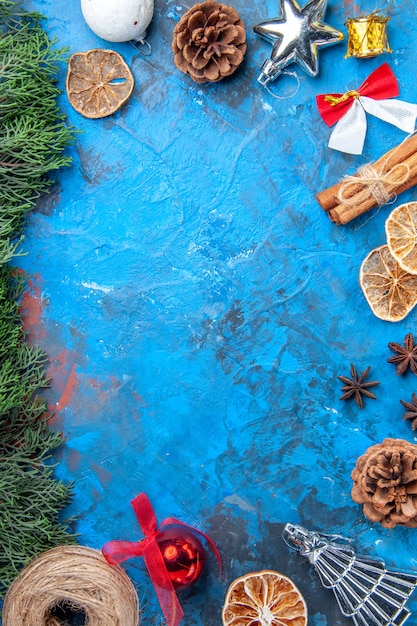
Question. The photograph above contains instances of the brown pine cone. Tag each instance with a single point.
(385, 482)
(209, 42)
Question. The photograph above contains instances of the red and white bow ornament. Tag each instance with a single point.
(374, 96)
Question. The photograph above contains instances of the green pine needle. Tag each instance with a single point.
(33, 132)
(33, 139)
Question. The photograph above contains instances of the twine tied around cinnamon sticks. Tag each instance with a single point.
(373, 184)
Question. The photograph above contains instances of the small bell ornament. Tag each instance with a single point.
(365, 590)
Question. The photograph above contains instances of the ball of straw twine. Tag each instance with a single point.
(75, 579)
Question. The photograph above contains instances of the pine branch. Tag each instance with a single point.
(26, 528)
(30, 497)
(33, 132)
(33, 138)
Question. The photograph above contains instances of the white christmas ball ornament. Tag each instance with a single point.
(118, 20)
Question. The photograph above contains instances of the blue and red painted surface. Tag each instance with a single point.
(197, 305)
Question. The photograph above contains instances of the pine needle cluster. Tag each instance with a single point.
(33, 138)
(33, 133)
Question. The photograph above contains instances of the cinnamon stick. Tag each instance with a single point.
(403, 154)
(344, 217)
(342, 213)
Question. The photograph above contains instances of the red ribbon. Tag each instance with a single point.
(379, 85)
(116, 552)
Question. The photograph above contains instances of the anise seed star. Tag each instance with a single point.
(406, 356)
(356, 387)
(411, 413)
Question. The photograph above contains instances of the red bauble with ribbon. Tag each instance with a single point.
(174, 556)
(183, 556)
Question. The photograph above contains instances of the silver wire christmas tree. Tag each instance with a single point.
(365, 590)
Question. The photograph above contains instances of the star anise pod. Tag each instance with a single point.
(356, 387)
(406, 357)
(411, 413)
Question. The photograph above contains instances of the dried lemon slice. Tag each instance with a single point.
(401, 231)
(391, 292)
(264, 598)
(98, 82)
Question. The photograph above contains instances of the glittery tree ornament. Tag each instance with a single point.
(209, 42)
(385, 482)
